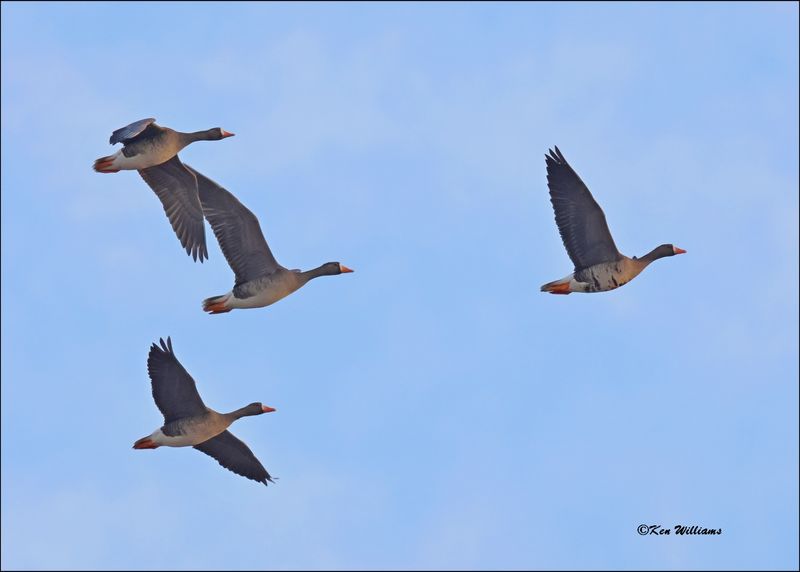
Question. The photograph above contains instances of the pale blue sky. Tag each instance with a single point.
(435, 410)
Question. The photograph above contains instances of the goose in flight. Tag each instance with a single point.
(153, 151)
(599, 266)
(189, 423)
(260, 280)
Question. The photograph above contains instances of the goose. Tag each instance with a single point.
(260, 280)
(152, 150)
(188, 422)
(599, 266)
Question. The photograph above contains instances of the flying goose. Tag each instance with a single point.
(599, 266)
(153, 151)
(260, 280)
(189, 423)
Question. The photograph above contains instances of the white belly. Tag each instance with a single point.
(141, 161)
(180, 440)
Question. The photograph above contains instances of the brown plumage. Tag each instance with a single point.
(188, 422)
(599, 266)
(152, 150)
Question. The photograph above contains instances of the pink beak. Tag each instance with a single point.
(268, 409)
(678, 250)
(227, 134)
(344, 268)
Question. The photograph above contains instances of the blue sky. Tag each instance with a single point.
(435, 410)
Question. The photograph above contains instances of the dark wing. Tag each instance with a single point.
(237, 231)
(130, 131)
(176, 188)
(174, 390)
(235, 456)
(580, 219)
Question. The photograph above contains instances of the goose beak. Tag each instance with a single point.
(227, 134)
(344, 268)
(268, 409)
(678, 250)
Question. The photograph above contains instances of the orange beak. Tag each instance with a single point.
(344, 268)
(227, 134)
(268, 409)
(679, 250)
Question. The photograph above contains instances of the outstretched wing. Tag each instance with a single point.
(176, 188)
(235, 456)
(580, 219)
(237, 231)
(128, 132)
(174, 390)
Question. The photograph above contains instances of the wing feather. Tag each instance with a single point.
(580, 220)
(235, 456)
(174, 390)
(128, 132)
(176, 188)
(237, 230)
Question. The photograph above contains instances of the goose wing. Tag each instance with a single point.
(235, 456)
(124, 134)
(176, 188)
(581, 222)
(174, 390)
(237, 230)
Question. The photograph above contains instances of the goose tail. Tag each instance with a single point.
(558, 286)
(145, 443)
(217, 304)
(106, 164)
